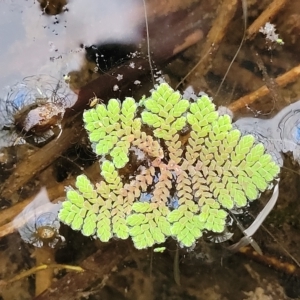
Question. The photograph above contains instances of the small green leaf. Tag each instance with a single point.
(222, 214)
(203, 216)
(63, 214)
(226, 201)
(113, 107)
(196, 232)
(128, 108)
(176, 228)
(90, 126)
(121, 231)
(101, 111)
(245, 143)
(233, 137)
(83, 184)
(174, 98)
(97, 135)
(120, 160)
(135, 230)
(212, 116)
(135, 219)
(104, 146)
(107, 169)
(152, 119)
(140, 242)
(186, 238)
(260, 182)
(175, 215)
(89, 225)
(164, 114)
(77, 222)
(192, 119)
(265, 159)
(140, 207)
(164, 226)
(104, 233)
(180, 108)
(159, 249)
(179, 123)
(75, 208)
(258, 149)
(67, 205)
(70, 218)
(75, 198)
(251, 192)
(218, 228)
(87, 116)
(239, 198)
(153, 106)
(273, 169)
(157, 235)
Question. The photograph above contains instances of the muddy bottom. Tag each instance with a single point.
(30, 160)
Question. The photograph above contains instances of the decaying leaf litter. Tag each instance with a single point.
(275, 59)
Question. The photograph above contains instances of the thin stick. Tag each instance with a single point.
(55, 192)
(271, 261)
(245, 13)
(148, 42)
(176, 266)
(282, 80)
(42, 158)
(214, 38)
(280, 245)
(44, 278)
(38, 269)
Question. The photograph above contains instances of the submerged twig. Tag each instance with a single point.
(43, 278)
(42, 158)
(282, 80)
(214, 38)
(270, 82)
(245, 14)
(97, 267)
(176, 266)
(270, 261)
(38, 269)
(281, 246)
(7, 215)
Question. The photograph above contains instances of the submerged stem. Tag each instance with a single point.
(40, 268)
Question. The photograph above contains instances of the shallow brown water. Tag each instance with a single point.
(34, 43)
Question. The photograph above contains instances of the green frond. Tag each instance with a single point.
(147, 229)
(89, 225)
(104, 232)
(75, 197)
(77, 222)
(141, 207)
(184, 185)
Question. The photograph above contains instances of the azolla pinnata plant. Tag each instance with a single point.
(185, 183)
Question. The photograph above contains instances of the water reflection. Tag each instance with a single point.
(32, 42)
(34, 108)
(281, 134)
(38, 224)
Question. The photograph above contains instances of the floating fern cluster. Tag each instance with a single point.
(185, 184)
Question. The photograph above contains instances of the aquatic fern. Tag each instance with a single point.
(111, 128)
(185, 184)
